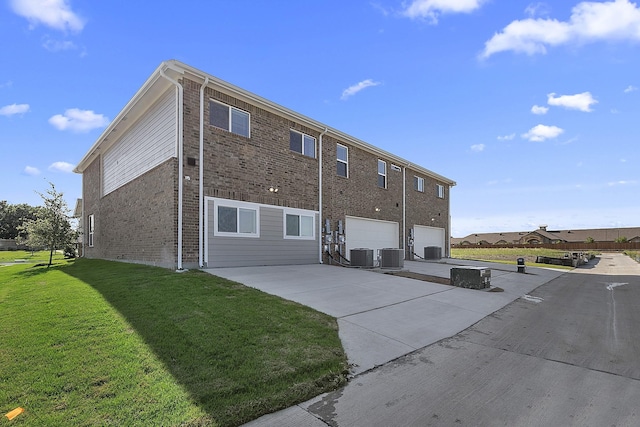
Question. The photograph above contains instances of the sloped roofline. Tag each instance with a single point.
(178, 68)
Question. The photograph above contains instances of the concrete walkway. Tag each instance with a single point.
(382, 317)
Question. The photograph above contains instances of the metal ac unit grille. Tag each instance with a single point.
(432, 252)
(391, 258)
(361, 257)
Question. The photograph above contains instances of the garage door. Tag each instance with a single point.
(370, 233)
(427, 236)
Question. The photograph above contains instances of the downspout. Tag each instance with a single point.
(180, 90)
(320, 194)
(448, 242)
(404, 210)
(201, 176)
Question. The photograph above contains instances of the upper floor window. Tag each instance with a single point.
(440, 189)
(382, 174)
(302, 143)
(418, 184)
(342, 153)
(229, 118)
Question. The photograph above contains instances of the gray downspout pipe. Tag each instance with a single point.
(201, 176)
(320, 194)
(180, 143)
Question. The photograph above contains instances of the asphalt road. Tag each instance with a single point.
(568, 355)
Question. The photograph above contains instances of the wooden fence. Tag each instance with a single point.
(576, 246)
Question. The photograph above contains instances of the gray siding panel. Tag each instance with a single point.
(268, 249)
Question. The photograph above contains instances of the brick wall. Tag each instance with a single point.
(359, 194)
(242, 168)
(138, 221)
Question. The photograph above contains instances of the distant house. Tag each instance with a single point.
(544, 236)
(196, 172)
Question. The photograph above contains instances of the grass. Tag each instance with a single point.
(90, 342)
(29, 257)
(509, 255)
(633, 254)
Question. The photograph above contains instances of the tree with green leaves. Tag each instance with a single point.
(590, 240)
(13, 216)
(52, 227)
(621, 239)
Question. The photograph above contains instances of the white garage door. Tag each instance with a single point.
(370, 234)
(427, 236)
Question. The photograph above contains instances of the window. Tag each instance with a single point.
(440, 191)
(299, 226)
(418, 184)
(229, 118)
(91, 226)
(342, 153)
(302, 143)
(235, 220)
(382, 174)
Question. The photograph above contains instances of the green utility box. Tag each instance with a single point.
(471, 277)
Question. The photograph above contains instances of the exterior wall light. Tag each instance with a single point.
(377, 209)
(273, 189)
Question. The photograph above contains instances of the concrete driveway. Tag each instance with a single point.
(382, 317)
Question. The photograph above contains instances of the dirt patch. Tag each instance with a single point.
(423, 277)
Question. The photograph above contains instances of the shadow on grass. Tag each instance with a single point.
(240, 353)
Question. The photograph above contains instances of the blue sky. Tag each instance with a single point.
(532, 108)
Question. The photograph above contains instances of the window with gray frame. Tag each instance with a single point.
(302, 143)
(382, 174)
(418, 184)
(440, 189)
(229, 118)
(342, 165)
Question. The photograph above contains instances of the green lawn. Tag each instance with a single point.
(30, 257)
(90, 342)
(509, 255)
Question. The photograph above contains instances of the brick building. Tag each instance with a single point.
(196, 172)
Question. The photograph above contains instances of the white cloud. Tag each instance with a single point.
(77, 120)
(352, 90)
(56, 14)
(620, 183)
(541, 133)
(537, 9)
(58, 45)
(30, 170)
(537, 109)
(630, 88)
(8, 83)
(477, 147)
(432, 9)
(507, 137)
(589, 22)
(61, 167)
(581, 101)
(13, 109)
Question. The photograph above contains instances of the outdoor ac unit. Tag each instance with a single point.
(391, 258)
(432, 252)
(361, 257)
